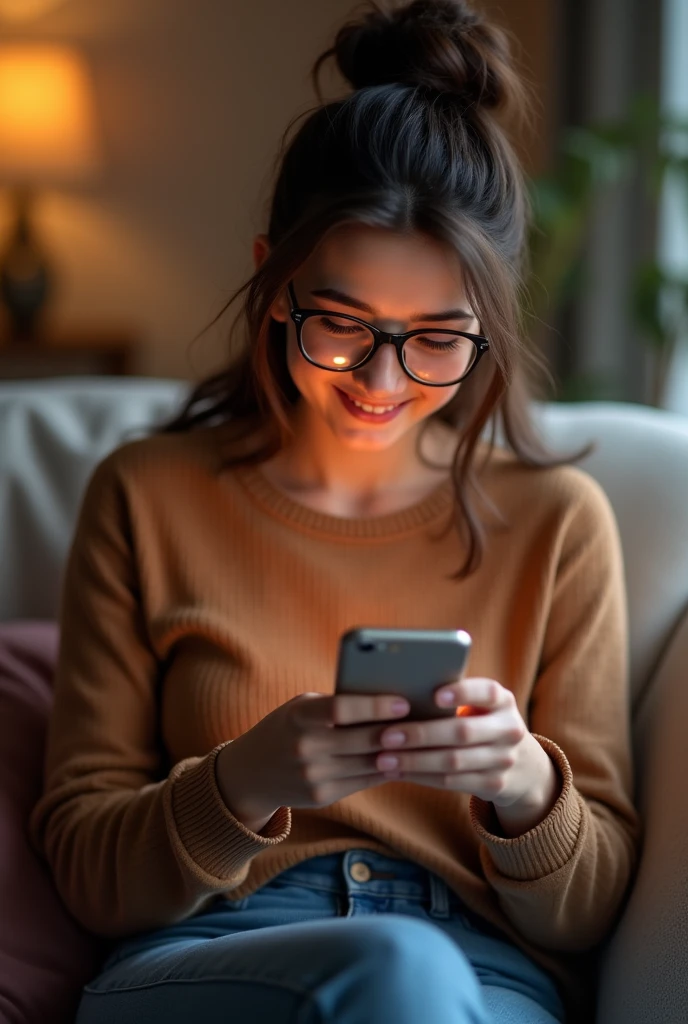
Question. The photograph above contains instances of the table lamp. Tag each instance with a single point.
(47, 137)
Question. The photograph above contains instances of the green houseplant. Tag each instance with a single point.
(590, 159)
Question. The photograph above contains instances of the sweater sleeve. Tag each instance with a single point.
(129, 849)
(562, 883)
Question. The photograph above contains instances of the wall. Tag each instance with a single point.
(536, 34)
(193, 97)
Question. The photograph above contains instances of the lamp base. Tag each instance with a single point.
(25, 277)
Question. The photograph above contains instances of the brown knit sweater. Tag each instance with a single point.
(198, 599)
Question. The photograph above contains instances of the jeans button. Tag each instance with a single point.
(360, 872)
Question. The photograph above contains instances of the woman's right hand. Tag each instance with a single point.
(300, 756)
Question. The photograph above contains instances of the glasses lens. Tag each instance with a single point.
(439, 358)
(334, 342)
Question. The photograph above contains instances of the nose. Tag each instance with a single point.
(382, 377)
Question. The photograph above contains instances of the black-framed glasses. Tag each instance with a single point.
(339, 342)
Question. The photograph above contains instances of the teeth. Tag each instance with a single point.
(377, 409)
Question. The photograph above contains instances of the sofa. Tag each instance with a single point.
(54, 431)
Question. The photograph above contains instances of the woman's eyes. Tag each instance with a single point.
(339, 328)
(436, 344)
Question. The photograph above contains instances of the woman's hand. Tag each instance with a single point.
(487, 750)
(300, 756)
(296, 756)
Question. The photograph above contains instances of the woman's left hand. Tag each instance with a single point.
(486, 749)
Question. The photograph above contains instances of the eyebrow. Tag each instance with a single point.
(347, 300)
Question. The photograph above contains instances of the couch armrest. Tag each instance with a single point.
(644, 970)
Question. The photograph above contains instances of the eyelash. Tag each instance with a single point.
(444, 345)
(337, 328)
(434, 345)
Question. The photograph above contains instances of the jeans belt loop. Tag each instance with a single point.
(439, 896)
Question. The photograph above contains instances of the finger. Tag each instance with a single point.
(491, 727)
(485, 785)
(474, 692)
(325, 743)
(352, 709)
(354, 739)
(448, 761)
(332, 768)
(328, 710)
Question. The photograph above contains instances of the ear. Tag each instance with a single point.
(261, 250)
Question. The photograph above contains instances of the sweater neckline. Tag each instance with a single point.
(407, 520)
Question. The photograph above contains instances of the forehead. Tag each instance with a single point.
(386, 269)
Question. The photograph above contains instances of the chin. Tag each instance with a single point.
(367, 441)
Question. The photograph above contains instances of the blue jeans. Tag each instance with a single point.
(351, 937)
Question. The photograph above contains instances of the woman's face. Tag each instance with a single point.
(389, 280)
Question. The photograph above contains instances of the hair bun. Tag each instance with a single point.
(440, 44)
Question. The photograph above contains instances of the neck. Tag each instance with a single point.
(314, 460)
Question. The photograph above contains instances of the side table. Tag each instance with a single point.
(68, 353)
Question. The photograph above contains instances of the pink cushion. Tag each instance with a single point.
(45, 955)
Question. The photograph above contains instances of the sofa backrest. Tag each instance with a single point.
(53, 432)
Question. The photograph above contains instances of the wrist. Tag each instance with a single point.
(241, 805)
(526, 813)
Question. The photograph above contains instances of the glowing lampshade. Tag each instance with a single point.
(47, 124)
(25, 10)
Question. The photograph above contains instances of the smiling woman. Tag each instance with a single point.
(301, 859)
(404, 202)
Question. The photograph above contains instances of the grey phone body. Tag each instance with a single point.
(409, 662)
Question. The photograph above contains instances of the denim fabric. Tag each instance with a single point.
(352, 938)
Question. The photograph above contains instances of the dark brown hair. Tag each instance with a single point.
(416, 147)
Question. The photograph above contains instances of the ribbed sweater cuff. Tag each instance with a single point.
(544, 848)
(213, 844)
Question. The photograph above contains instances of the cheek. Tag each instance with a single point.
(436, 398)
(294, 359)
(308, 379)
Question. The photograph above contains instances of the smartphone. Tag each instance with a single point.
(409, 662)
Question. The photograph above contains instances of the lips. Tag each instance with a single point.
(370, 417)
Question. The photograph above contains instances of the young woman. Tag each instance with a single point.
(203, 782)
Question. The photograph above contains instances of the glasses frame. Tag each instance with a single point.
(299, 316)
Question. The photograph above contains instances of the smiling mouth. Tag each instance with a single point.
(379, 409)
(369, 410)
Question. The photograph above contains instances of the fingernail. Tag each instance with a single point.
(447, 697)
(400, 707)
(387, 762)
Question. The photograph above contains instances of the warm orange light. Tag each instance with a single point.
(340, 360)
(47, 128)
(24, 10)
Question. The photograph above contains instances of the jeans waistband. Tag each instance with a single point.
(361, 872)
